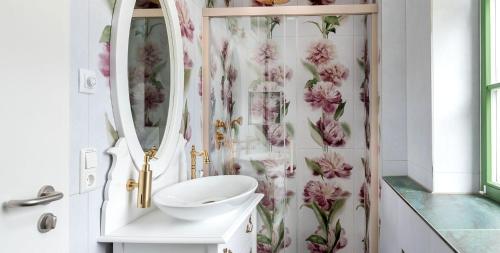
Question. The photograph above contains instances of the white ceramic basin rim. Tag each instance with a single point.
(205, 197)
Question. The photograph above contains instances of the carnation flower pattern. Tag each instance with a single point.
(321, 52)
(330, 165)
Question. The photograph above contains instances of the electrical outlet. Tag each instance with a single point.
(88, 170)
(87, 81)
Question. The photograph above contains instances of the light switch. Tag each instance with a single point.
(91, 160)
(88, 169)
(87, 81)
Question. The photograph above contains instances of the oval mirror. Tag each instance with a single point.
(147, 78)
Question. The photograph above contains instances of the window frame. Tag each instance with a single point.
(491, 189)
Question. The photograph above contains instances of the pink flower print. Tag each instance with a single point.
(322, 248)
(200, 82)
(321, 2)
(331, 131)
(276, 135)
(323, 194)
(232, 74)
(323, 95)
(265, 107)
(188, 63)
(317, 248)
(187, 26)
(267, 52)
(290, 170)
(342, 241)
(334, 73)
(333, 166)
(364, 196)
(321, 52)
(266, 188)
(149, 55)
(104, 60)
(278, 75)
(264, 247)
(153, 96)
(224, 52)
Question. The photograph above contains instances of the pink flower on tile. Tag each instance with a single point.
(334, 73)
(364, 196)
(333, 166)
(317, 248)
(188, 62)
(187, 26)
(267, 52)
(104, 60)
(265, 107)
(331, 131)
(340, 243)
(323, 194)
(324, 95)
(264, 247)
(200, 82)
(321, 52)
(321, 2)
(153, 96)
(278, 75)
(276, 135)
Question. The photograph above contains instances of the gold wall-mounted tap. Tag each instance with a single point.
(220, 129)
(145, 181)
(194, 154)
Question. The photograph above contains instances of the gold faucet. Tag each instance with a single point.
(194, 154)
(219, 134)
(145, 180)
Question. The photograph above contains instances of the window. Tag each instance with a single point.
(490, 81)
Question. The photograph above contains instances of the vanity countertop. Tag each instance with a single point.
(157, 227)
(468, 223)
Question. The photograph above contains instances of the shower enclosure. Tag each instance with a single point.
(290, 98)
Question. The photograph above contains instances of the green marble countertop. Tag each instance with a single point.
(468, 223)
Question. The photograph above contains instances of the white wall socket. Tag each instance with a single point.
(88, 170)
(87, 81)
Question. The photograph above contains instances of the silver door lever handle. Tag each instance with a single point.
(46, 195)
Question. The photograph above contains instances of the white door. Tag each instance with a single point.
(34, 122)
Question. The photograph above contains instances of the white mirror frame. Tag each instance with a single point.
(122, 111)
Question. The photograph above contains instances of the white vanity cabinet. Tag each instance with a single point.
(155, 232)
(402, 230)
(244, 240)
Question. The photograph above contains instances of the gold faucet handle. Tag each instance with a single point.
(220, 124)
(151, 153)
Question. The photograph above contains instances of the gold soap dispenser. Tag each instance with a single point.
(145, 180)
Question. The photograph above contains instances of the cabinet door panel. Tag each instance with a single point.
(245, 238)
(389, 241)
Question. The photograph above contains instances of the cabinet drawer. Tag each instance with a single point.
(245, 238)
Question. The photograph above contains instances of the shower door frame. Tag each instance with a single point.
(370, 10)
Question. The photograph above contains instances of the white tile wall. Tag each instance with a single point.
(455, 91)
(418, 90)
(393, 87)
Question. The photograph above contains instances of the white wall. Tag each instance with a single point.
(88, 122)
(418, 90)
(430, 92)
(455, 95)
(393, 87)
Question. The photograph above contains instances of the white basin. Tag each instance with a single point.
(206, 197)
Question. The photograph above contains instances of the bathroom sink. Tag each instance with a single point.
(206, 197)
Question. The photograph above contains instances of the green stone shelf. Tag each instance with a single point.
(468, 223)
